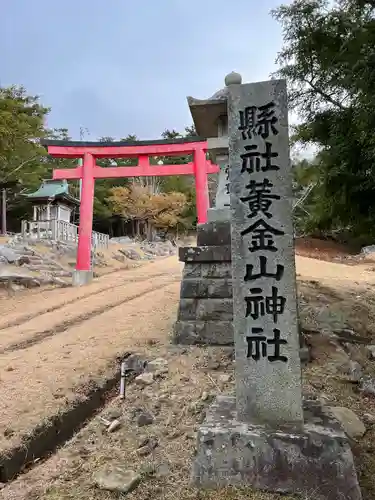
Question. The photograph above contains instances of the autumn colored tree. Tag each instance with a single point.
(169, 211)
(147, 210)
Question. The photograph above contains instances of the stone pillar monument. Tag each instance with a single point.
(205, 313)
(268, 436)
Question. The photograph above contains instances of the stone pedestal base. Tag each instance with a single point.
(205, 314)
(81, 278)
(315, 461)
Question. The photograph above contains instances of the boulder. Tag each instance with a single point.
(134, 364)
(370, 249)
(10, 255)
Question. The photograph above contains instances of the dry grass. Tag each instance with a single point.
(51, 374)
(66, 316)
(36, 302)
(334, 274)
(322, 380)
(323, 307)
(176, 402)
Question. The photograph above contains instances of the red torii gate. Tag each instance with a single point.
(200, 167)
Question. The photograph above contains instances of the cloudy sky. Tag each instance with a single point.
(121, 67)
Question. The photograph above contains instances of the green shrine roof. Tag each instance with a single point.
(53, 189)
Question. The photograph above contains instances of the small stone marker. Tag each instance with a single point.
(264, 296)
(222, 194)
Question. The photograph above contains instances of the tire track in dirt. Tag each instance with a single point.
(62, 327)
(27, 317)
(57, 372)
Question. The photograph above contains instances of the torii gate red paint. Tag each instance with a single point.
(200, 167)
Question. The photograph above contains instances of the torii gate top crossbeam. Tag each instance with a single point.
(125, 149)
(200, 167)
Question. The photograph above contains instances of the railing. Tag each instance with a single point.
(59, 230)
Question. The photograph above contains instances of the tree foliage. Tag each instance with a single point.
(169, 202)
(328, 59)
(146, 209)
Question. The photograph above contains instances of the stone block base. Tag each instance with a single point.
(214, 234)
(315, 461)
(218, 214)
(205, 313)
(203, 332)
(81, 278)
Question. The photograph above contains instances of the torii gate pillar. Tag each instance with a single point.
(199, 167)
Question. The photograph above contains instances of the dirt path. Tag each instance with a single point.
(334, 274)
(47, 360)
(47, 376)
(56, 344)
(24, 307)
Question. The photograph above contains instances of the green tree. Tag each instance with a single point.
(328, 58)
(22, 119)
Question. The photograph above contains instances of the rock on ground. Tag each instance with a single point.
(371, 352)
(157, 366)
(370, 249)
(135, 364)
(367, 386)
(144, 418)
(147, 446)
(8, 255)
(351, 371)
(131, 253)
(116, 478)
(351, 424)
(144, 379)
(369, 418)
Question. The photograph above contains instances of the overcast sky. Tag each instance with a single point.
(123, 67)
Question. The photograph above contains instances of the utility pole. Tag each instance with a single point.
(3, 187)
(4, 212)
(82, 132)
(80, 163)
